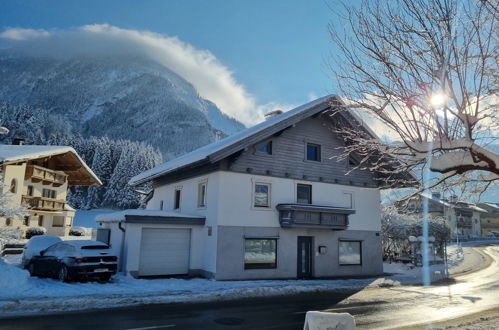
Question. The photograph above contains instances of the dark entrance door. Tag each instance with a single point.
(304, 257)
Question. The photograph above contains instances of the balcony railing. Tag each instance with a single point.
(45, 175)
(42, 203)
(313, 216)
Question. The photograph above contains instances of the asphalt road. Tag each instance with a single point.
(390, 307)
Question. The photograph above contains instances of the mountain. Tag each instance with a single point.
(121, 97)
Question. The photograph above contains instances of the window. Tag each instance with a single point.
(202, 194)
(8, 222)
(260, 253)
(176, 204)
(40, 221)
(262, 195)
(304, 193)
(313, 152)
(352, 161)
(26, 220)
(266, 148)
(58, 221)
(48, 193)
(350, 253)
(13, 186)
(348, 197)
(30, 190)
(161, 205)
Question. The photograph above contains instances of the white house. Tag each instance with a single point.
(463, 218)
(268, 202)
(38, 178)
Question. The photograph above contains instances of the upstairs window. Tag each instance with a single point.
(262, 195)
(13, 186)
(176, 204)
(266, 148)
(304, 193)
(30, 190)
(313, 152)
(49, 193)
(202, 194)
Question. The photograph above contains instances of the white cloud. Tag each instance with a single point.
(23, 34)
(201, 68)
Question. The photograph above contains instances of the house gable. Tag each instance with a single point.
(288, 156)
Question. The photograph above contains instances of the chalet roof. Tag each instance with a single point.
(218, 150)
(81, 175)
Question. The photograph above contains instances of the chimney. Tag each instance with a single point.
(272, 114)
(453, 198)
(18, 142)
(218, 136)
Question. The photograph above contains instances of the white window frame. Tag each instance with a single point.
(202, 204)
(352, 198)
(269, 196)
(177, 188)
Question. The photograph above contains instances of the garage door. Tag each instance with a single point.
(164, 251)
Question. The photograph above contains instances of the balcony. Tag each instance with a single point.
(42, 203)
(45, 175)
(313, 216)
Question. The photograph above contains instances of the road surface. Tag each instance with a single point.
(373, 308)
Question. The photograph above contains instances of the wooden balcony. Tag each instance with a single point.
(313, 216)
(45, 175)
(42, 203)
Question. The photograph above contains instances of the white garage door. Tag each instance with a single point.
(164, 251)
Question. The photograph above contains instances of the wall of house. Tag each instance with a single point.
(18, 172)
(231, 248)
(237, 195)
(189, 205)
(288, 157)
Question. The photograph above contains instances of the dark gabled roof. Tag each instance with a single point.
(218, 150)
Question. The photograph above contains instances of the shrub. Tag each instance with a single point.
(35, 231)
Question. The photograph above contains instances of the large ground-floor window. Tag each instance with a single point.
(350, 252)
(260, 253)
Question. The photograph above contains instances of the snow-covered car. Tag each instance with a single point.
(493, 234)
(75, 260)
(35, 245)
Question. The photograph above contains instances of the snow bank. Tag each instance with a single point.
(35, 295)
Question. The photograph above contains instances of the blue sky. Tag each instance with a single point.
(276, 49)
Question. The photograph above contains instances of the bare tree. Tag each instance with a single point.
(427, 70)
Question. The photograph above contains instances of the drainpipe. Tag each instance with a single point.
(122, 249)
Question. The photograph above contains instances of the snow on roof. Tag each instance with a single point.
(203, 152)
(17, 153)
(492, 205)
(120, 216)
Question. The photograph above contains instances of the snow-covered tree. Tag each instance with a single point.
(7, 210)
(426, 73)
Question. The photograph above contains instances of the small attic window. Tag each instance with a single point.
(265, 148)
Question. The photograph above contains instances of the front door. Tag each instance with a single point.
(304, 257)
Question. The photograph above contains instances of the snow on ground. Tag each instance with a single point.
(35, 295)
(86, 218)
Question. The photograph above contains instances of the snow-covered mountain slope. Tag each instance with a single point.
(120, 97)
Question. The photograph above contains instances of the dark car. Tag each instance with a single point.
(75, 260)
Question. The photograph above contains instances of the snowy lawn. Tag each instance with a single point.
(35, 295)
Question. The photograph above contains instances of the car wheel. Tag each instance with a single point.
(63, 274)
(31, 269)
